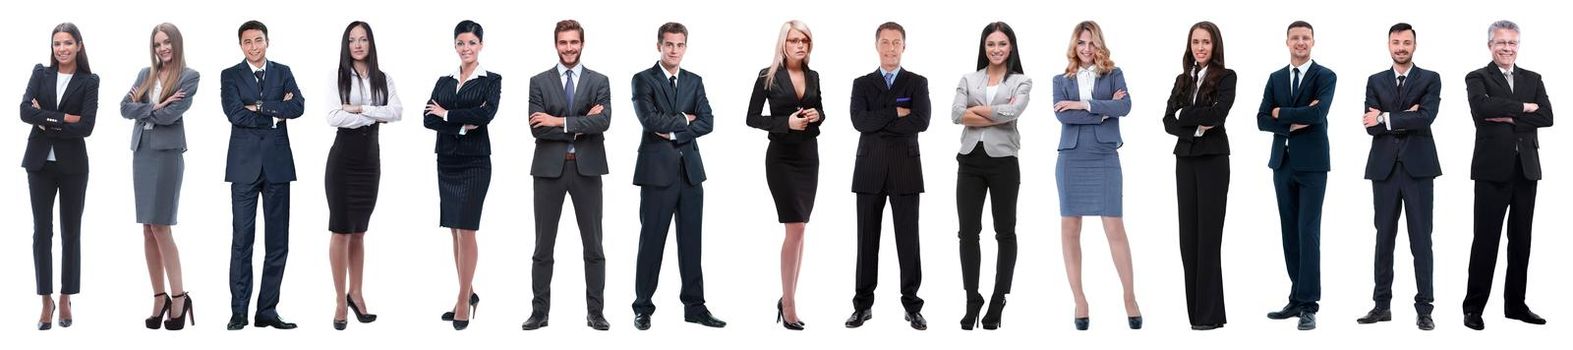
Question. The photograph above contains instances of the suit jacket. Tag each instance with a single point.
(473, 104)
(163, 127)
(1310, 143)
(661, 109)
(258, 146)
(1498, 145)
(1189, 108)
(1405, 136)
(583, 131)
(888, 161)
(1008, 104)
(1102, 105)
(783, 102)
(49, 129)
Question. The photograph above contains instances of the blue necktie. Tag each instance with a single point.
(568, 91)
(1296, 83)
(890, 80)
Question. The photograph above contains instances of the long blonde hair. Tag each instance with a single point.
(1100, 55)
(780, 59)
(158, 71)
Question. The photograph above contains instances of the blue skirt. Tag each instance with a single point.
(1089, 180)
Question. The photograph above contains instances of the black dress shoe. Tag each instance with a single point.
(641, 321)
(704, 318)
(1206, 327)
(1376, 315)
(273, 322)
(1425, 323)
(1473, 321)
(339, 325)
(1082, 323)
(1307, 321)
(1134, 321)
(1526, 316)
(597, 322)
(536, 321)
(1284, 314)
(917, 320)
(236, 322)
(858, 317)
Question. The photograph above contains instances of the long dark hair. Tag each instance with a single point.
(81, 52)
(379, 81)
(1012, 63)
(1184, 84)
(1216, 61)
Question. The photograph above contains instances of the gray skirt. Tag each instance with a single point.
(156, 176)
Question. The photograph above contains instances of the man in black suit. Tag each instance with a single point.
(890, 106)
(1294, 109)
(1509, 105)
(259, 96)
(570, 106)
(1400, 105)
(671, 105)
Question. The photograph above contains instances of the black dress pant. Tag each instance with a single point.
(1516, 200)
(1202, 184)
(657, 207)
(1412, 196)
(275, 210)
(870, 213)
(586, 194)
(42, 185)
(977, 177)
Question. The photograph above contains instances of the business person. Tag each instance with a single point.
(792, 159)
(890, 106)
(367, 99)
(570, 108)
(1294, 109)
(1089, 100)
(157, 103)
(670, 103)
(1198, 104)
(59, 105)
(460, 107)
(1509, 106)
(1400, 105)
(259, 96)
(988, 103)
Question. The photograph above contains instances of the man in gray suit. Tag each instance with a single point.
(570, 107)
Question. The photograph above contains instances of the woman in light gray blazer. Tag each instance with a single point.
(988, 102)
(156, 103)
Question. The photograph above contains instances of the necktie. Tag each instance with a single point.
(674, 82)
(1296, 84)
(890, 79)
(1509, 76)
(259, 73)
(1401, 82)
(568, 92)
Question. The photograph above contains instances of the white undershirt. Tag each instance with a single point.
(988, 100)
(60, 93)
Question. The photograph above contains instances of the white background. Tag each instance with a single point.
(409, 265)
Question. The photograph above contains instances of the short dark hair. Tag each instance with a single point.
(252, 25)
(1402, 27)
(468, 26)
(891, 26)
(669, 27)
(567, 25)
(1300, 24)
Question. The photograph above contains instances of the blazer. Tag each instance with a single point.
(473, 104)
(1103, 114)
(888, 161)
(49, 130)
(257, 145)
(1211, 107)
(164, 128)
(661, 109)
(1310, 143)
(583, 131)
(783, 102)
(1405, 136)
(1007, 106)
(1498, 145)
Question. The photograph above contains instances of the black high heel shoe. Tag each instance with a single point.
(1135, 322)
(781, 318)
(991, 320)
(974, 306)
(474, 300)
(157, 320)
(65, 322)
(475, 303)
(369, 318)
(45, 324)
(179, 323)
(1082, 323)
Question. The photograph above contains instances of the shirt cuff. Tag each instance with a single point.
(1382, 119)
(1199, 132)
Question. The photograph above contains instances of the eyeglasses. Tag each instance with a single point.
(799, 41)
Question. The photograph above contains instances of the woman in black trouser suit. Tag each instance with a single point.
(60, 104)
(1197, 107)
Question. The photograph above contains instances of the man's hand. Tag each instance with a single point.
(596, 110)
(903, 112)
(470, 127)
(289, 96)
(1370, 117)
(1531, 108)
(1414, 108)
(1296, 127)
(690, 117)
(1508, 120)
(252, 108)
(543, 120)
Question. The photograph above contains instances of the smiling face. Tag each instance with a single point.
(1086, 48)
(890, 46)
(1300, 41)
(255, 45)
(64, 48)
(997, 47)
(797, 47)
(569, 44)
(1402, 46)
(163, 48)
(1201, 46)
(672, 46)
(360, 45)
(468, 46)
(1504, 46)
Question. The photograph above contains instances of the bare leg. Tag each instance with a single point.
(1120, 248)
(791, 264)
(155, 267)
(357, 268)
(170, 254)
(64, 306)
(1070, 245)
(467, 260)
(338, 260)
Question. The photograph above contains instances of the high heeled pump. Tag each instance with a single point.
(970, 319)
(365, 317)
(781, 318)
(64, 322)
(992, 319)
(1134, 321)
(186, 311)
(474, 300)
(475, 303)
(45, 324)
(157, 320)
(1082, 323)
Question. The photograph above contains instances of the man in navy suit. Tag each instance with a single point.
(259, 96)
(1400, 105)
(1294, 109)
(670, 103)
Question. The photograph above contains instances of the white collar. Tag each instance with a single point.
(254, 69)
(1090, 69)
(1201, 71)
(1508, 69)
(669, 74)
(479, 72)
(1302, 67)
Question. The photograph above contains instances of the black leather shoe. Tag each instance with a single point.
(474, 300)
(858, 317)
(536, 321)
(339, 325)
(1082, 323)
(1376, 315)
(273, 322)
(236, 322)
(1473, 321)
(704, 318)
(917, 320)
(641, 321)
(1307, 321)
(597, 322)
(1205, 327)
(1284, 314)
(1424, 322)
(1526, 316)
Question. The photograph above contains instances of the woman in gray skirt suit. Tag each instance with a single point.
(156, 103)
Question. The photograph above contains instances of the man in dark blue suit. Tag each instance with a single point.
(259, 96)
(1294, 108)
(1400, 105)
(671, 105)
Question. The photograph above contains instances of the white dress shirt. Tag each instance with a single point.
(361, 95)
(1201, 75)
(61, 82)
(457, 75)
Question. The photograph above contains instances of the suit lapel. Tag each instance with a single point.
(71, 87)
(670, 91)
(1002, 96)
(48, 98)
(579, 90)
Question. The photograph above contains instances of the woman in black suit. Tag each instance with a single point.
(60, 104)
(792, 159)
(1197, 107)
(461, 105)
